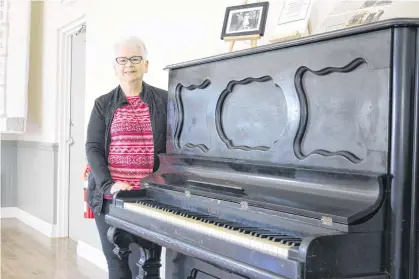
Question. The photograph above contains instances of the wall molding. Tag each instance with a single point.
(65, 34)
(30, 220)
(9, 143)
(50, 146)
(92, 254)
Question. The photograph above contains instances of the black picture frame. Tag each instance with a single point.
(231, 27)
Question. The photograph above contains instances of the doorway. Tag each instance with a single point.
(79, 229)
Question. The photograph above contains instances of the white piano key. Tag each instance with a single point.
(252, 242)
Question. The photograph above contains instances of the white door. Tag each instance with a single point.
(80, 229)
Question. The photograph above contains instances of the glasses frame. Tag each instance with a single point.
(129, 59)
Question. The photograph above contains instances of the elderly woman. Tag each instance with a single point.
(126, 131)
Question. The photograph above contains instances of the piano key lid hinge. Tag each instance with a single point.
(327, 221)
(244, 205)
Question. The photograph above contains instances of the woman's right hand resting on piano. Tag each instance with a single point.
(118, 186)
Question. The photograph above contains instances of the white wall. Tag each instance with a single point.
(17, 60)
(42, 94)
(174, 31)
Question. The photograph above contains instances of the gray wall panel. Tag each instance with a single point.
(36, 179)
(29, 177)
(8, 173)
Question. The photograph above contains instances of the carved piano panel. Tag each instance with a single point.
(191, 130)
(288, 106)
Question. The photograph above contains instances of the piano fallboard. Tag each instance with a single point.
(312, 195)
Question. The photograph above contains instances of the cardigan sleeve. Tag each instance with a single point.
(95, 149)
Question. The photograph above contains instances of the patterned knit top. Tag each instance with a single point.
(131, 152)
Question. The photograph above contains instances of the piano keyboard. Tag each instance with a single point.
(275, 244)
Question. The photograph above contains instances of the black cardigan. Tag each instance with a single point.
(98, 137)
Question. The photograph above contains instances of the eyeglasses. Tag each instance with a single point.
(133, 59)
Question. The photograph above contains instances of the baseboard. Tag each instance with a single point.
(8, 212)
(30, 220)
(36, 223)
(84, 250)
(92, 254)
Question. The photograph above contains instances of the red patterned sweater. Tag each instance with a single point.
(131, 153)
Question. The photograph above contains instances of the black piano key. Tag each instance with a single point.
(270, 235)
(212, 220)
(279, 238)
(225, 224)
(295, 244)
(246, 230)
(256, 233)
(242, 227)
(231, 225)
(287, 240)
(198, 217)
(264, 234)
(276, 238)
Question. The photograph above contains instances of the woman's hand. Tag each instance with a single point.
(118, 186)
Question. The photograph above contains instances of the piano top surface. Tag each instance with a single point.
(374, 26)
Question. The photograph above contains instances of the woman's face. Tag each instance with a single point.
(129, 64)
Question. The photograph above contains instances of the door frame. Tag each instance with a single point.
(65, 34)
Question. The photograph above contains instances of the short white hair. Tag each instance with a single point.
(131, 42)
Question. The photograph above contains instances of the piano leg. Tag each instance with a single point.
(150, 253)
(149, 263)
(121, 240)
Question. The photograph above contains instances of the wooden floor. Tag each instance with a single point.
(26, 253)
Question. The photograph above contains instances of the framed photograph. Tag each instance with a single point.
(365, 17)
(244, 20)
(66, 2)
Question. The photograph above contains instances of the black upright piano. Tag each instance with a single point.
(295, 160)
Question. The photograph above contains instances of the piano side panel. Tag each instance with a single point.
(322, 105)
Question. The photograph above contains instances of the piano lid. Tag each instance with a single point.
(283, 128)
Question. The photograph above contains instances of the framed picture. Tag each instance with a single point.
(244, 20)
(65, 2)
